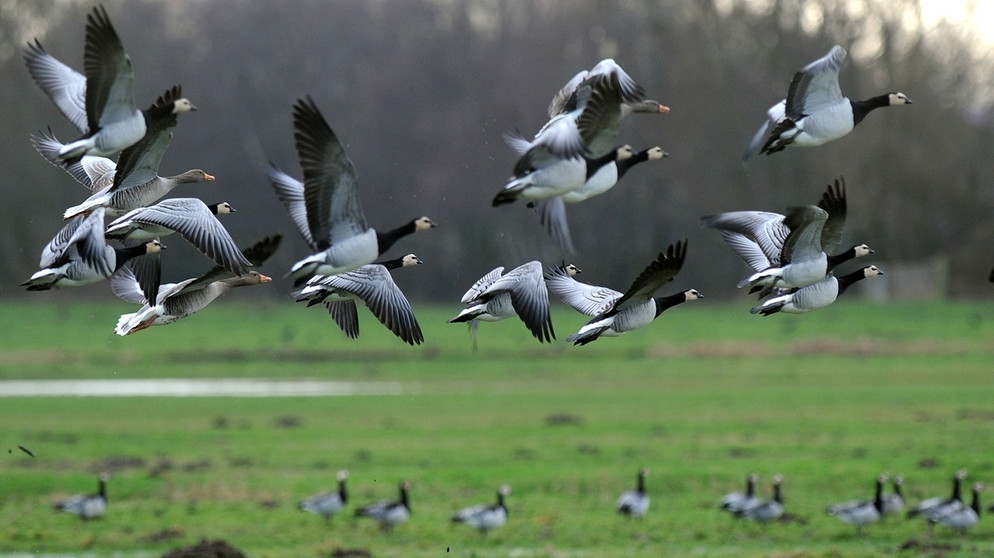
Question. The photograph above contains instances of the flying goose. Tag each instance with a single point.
(87, 506)
(816, 295)
(815, 112)
(635, 503)
(735, 502)
(325, 207)
(175, 301)
(572, 130)
(760, 237)
(386, 513)
(195, 221)
(615, 313)
(860, 513)
(113, 121)
(765, 511)
(802, 261)
(485, 517)
(552, 211)
(938, 504)
(79, 255)
(373, 285)
(963, 517)
(497, 296)
(329, 503)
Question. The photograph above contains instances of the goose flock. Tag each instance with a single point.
(950, 512)
(575, 156)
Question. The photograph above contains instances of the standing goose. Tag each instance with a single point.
(79, 255)
(325, 207)
(963, 517)
(373, 285)
(329, 503)
(814, 296)
(860, 513)
(520, 292)
(485, 517)
(615, 313)
(87, 506)
(735, 502)
(386, 513)
(760, 237)
(552, 211)
(938, 504)
(894, 502)
(175, 301)
(635, 503)
(193, 220)
(766, 511)
(815, 112)
(113, 123)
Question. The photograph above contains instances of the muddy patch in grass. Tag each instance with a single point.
(206, 549)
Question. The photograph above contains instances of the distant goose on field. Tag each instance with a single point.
(765, 511)
(635, 503)
(386, 513)
(963, 517)
(87, 506)
(763, 239)
(815, 112)
(113, 122)
(79, 255)
(485, 517)
(737, 501)
(174, 301)
(939, 504)
(325, 206)
(860, 513)
(814, 296)
(552, 211)
(894, 502)
(329, 503)
(133, 181)
(615, 313)
(374, 286)
(497, 296)
(194, 220)
(572, 130)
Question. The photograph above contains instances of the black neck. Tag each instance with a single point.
(403, 497)
(125, 254)
(392, 264)
(975, 504)
(957, 494)
(343, 494)
(848, 279)
(861, 108)
(640, 484)
(777, 496)
(878, 499)
(665, 302)
(500, 499)
(594, 165)
(102, 489)
(385, 240)
(626, 164)
(750, 488)
(840, 258)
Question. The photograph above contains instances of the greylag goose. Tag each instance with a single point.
(329, 503)
(389, 513)
(175, 301)
(485, 517)
(634, 503)
(815, 296)
(87, 506)
(520, 292)
(194, 220)
(615, 313)
(325, 206)
(374, 286)
(815, 112)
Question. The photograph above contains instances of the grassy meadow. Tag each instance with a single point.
(701, 397)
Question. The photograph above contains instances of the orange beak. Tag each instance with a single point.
(209, 177)
(664, 108)
(265, 278)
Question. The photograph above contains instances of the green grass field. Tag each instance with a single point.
(703, 396)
